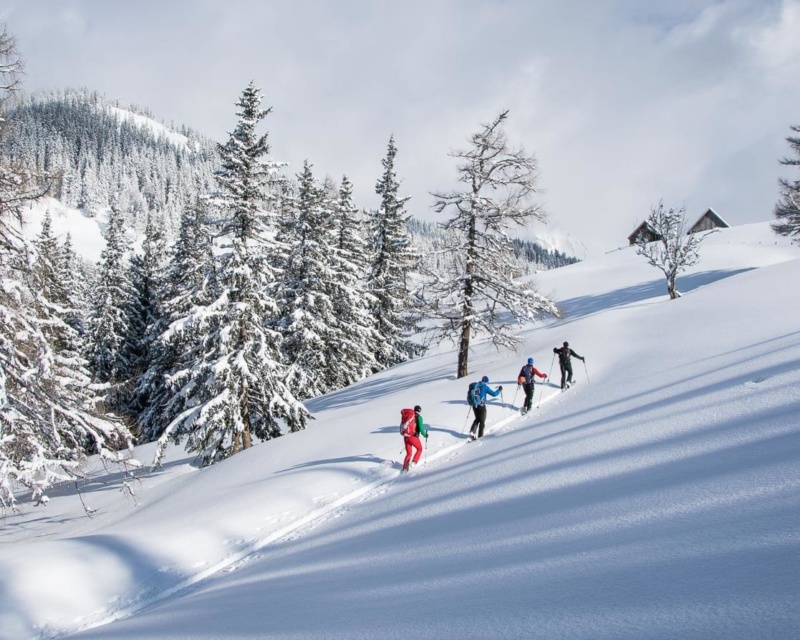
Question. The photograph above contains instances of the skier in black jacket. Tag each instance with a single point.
(565, 362)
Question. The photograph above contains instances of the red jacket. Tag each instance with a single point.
(527, 372)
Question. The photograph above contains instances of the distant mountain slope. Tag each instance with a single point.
(102, 152)
(429, 239)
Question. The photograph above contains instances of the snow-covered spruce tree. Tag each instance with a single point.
(787, 211)
(52, 279)
(60, 314)
(328, 332)
(47, 420)
(392, 259)
(75, 279)
(114, 322)
(351, 229)
(674, 249)
(306, 305)
(480, 290)
(149, 283)
(234, 389)
(189, 284)
(354, 352)
(47, 268)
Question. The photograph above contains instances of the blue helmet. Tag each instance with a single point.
(530, 360)
(485, 379)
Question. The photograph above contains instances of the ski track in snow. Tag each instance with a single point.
(383, 482)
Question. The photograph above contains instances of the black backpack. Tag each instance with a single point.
(474, 394)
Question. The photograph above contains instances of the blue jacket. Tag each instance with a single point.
(483, 389)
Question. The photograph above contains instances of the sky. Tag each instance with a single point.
(659, 497)
(623, 103)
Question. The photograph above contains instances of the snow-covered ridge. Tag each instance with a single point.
(554, 239)
(158, 130)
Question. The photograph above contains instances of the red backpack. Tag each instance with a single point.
(408, 422)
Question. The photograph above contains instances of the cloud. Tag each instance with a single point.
(777, 44)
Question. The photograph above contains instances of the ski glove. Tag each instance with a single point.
(500, 388)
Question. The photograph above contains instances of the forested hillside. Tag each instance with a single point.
(101, 153)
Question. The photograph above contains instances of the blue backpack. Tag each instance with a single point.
(474, 394)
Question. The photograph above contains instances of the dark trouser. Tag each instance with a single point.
(566, 373)
(480, 420)
(528, 389)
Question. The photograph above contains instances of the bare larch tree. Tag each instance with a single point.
(481, 294)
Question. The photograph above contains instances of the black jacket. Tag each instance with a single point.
(564, 354)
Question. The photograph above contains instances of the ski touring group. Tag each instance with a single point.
(412, 425)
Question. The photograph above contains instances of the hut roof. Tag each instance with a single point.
(713, 217)
(643, 228)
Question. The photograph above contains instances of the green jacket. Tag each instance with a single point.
(421, 430)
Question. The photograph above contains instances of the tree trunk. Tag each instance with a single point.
(235, 443)
(245, 420)
(672, 289)
(463, 348)
(467, 311)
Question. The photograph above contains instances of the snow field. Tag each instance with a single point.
(658, 498)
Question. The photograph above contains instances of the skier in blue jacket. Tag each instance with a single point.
(480, 410)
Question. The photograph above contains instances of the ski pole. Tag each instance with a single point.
(464, 428)
(587, 372)
(514, 401)
(552, 362)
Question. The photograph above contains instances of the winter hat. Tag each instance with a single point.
(566, 344)
(417, 409)
(485, 379)
(530, 360)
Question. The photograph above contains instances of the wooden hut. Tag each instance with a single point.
(644, 230)
(708, 221)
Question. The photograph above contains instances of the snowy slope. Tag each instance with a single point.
(658, 498)
(553, 238)
(158, 130)
(86, 231)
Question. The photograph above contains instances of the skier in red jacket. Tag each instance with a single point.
(526, 379)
